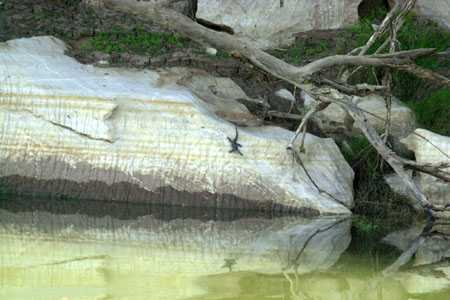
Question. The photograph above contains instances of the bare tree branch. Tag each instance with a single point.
(393, 60)
(299, 76)
(393, 21)
(315, 108)
(394, 16)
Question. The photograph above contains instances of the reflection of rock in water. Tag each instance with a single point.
(162, 259)
(430, 270)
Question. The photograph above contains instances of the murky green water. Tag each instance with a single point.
(64, 250)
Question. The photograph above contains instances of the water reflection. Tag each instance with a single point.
(425, 257)
(46, 256)
(78, 255)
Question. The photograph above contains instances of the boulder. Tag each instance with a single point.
(282, 100)
(138, 136)
(437, 10)
(272, 23)
(429, 148)
(334, 120)
(222, 96)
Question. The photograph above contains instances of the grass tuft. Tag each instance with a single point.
(416, 33)
(303, 50)
(373, 197)
(434, 112)
(136, 41)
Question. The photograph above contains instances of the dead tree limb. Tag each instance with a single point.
(405, 257)
(298, 76)
(240, 47)
(393, 22)
(315, 108)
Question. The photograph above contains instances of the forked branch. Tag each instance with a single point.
(301, 76)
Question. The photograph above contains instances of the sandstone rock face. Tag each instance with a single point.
(271, 23)
(129, 135)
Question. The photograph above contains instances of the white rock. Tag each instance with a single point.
(285, 94)
(437, 10)
(122, 134)
(272, 23)
(431, 148)
(334, 119)
(211, 51)
(403, 121)
(220, 94)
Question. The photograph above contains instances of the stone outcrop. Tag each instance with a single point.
(429, 148)
(271, 23)
(138, 136)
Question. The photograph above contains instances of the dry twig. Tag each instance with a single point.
(300, 76)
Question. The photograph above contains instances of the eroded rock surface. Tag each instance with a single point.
(271, 23)
(129, 135)
(429, 148)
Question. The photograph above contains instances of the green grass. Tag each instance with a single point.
(373, 197)
(366, 226)
(419, 33)
(136, 41)
(434, 112)
(222, 54)
(361, 153)
(303, 50)
(415, 33)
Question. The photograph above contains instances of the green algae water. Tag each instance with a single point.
(59, 250)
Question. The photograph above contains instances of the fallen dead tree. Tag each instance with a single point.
(308, 79)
